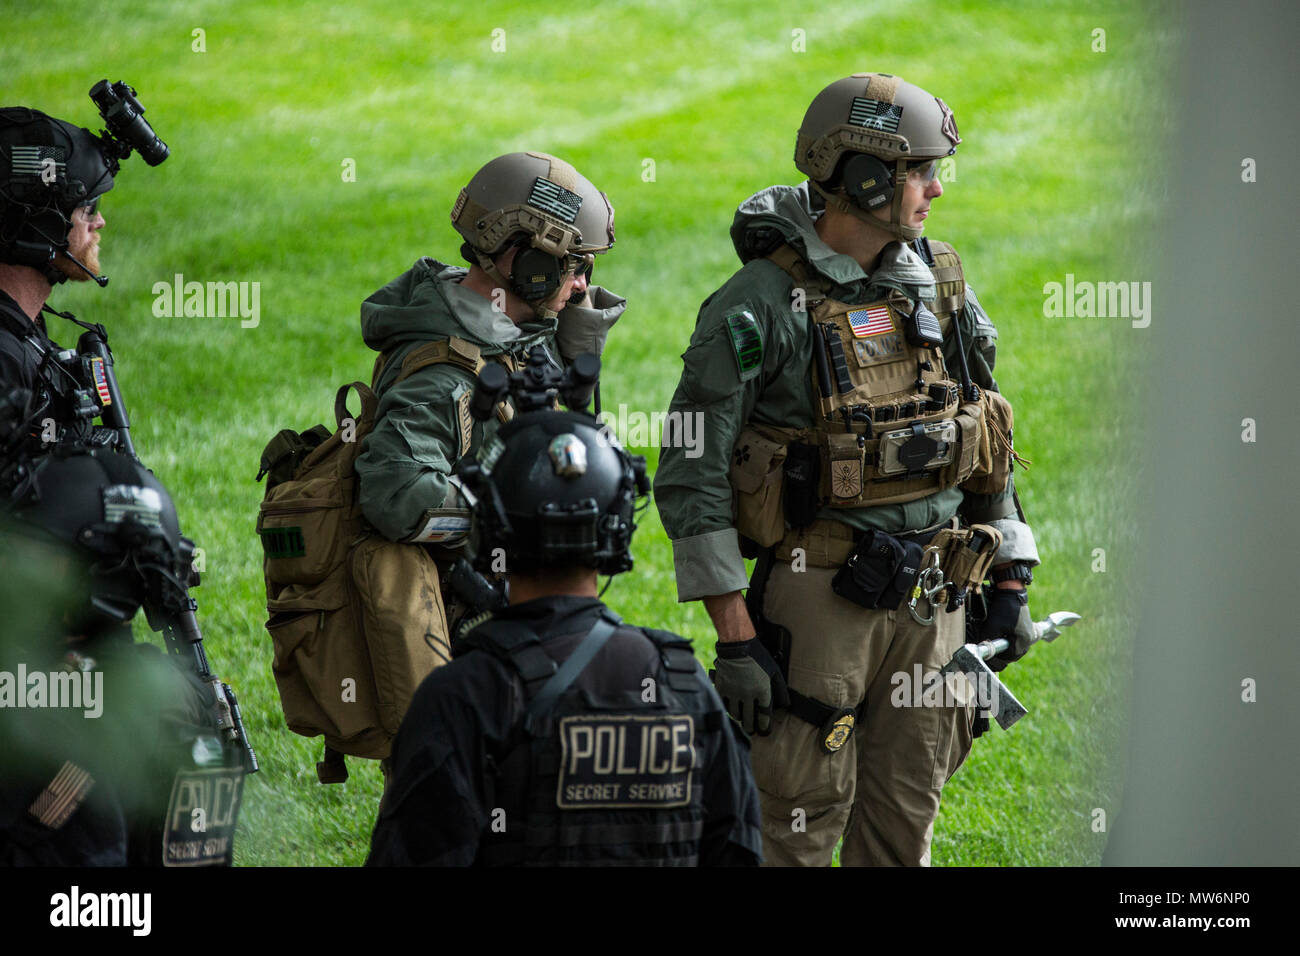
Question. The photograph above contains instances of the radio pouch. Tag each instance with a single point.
(880, 573)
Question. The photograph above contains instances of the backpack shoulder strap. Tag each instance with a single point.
(573, 666)
(678, 659)
(513, 643)
(449, 351)
(949, 279)
(786, 258)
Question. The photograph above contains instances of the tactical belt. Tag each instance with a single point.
(828, 544)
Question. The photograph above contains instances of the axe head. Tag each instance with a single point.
(990, 692)
(1050, 628)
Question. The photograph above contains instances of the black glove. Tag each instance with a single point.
(1009, 617)
(750, 684)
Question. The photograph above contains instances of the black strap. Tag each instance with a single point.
(333, 767)
(577, 662)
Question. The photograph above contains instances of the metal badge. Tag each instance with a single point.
(838, 730)
(568, 455)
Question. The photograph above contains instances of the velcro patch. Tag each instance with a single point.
(201, 817)
(62, 796)
(444, 526)
(871, 320)
(623, 761)
(283, 543)
(465, 420)
(874, 114)
(882, 348)
(746, 340)
(555, 199)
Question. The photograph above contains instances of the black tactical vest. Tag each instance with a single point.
(604, 775)
(65, 405)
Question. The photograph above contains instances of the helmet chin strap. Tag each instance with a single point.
(487, 265)
(895, 226)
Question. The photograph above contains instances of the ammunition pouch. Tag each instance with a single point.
(965, 555)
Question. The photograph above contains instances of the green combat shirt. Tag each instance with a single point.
(407, 490)
(729, 384)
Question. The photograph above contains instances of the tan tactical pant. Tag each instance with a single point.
(891, 771)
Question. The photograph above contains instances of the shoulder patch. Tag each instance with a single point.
(746, 340)
(462, 397)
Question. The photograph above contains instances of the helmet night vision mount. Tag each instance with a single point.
(553, 488)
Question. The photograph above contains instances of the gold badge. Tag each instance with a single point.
(840, 733)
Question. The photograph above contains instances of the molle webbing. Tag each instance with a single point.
(882, 385)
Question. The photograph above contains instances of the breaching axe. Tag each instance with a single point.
(970, 661)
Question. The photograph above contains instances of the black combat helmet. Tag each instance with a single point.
(117, 522)
(553, 490)
(49, 167)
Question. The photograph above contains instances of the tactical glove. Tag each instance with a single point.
(1009, 617)
(750, 684)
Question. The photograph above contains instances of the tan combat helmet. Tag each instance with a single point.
(544, 198)
(878, 115)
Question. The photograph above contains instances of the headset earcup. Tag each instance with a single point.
(866, 181)
(535, 275)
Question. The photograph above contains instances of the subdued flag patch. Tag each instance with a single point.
(556, 200)
(62, 796)
(872, 320)
(27, 160)
(874, 114)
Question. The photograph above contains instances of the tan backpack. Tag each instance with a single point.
(357, 621)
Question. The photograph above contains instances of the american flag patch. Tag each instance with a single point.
(101, 382)
(874, 114)
(28, 160)
(556, 200)
(872, 320)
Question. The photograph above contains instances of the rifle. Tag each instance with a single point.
(168, 605)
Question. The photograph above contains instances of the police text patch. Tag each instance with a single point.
(621, 761)
(201, 817)
(878, 349)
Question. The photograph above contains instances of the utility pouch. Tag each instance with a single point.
(967, 554)
(993, 468)
(756, 474)
(802, 474)
(880, 573)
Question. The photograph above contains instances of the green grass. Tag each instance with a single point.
(1056, 175)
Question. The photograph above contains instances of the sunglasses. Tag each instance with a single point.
(924, 172)
(90, 207)
(580, 265)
